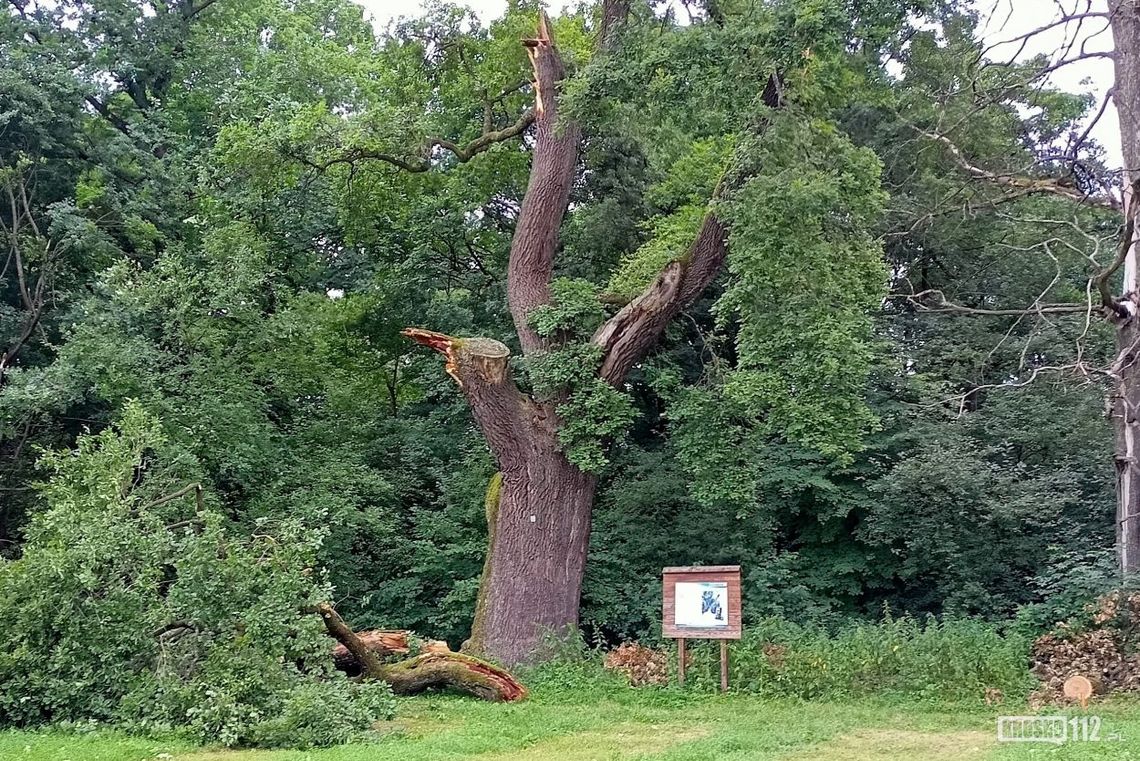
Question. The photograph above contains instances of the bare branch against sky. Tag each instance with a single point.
(1071, 37)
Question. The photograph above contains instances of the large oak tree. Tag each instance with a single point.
(787, 219)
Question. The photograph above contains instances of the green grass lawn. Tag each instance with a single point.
(623, 726)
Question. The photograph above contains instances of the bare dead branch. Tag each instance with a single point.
(1107, 299)
(196, 489)
(1026, 185)
(943, 306)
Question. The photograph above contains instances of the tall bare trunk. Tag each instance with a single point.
(1125, 21)
(1126, 430)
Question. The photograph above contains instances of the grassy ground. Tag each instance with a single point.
(623, 726)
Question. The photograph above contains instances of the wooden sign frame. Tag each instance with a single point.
(714, 577)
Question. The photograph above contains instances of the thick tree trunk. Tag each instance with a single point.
(538, 507)
(538, 522)
(1125, 21)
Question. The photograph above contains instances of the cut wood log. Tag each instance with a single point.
(438, 667)
(1080, 689)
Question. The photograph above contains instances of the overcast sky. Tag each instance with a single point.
(1006, 20)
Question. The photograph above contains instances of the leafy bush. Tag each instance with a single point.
(320, 714)
(124, 609)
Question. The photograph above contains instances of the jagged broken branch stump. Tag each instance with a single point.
(414, 675)
(380, 641)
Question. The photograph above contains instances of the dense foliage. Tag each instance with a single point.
(225, 212)
(122, 609)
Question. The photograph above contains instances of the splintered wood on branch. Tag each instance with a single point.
(432, 669)
(481, 367)
(485, 357)
(379, 641)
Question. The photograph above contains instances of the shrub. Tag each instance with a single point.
(123, 611)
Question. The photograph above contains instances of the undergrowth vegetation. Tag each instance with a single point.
(896, 658)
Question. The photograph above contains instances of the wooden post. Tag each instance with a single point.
(724, 665)
(681, 661)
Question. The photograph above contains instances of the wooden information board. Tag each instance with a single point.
(701, 602)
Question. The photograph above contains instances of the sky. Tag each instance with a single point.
(1005, 23)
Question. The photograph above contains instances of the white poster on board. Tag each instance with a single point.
(701, 604)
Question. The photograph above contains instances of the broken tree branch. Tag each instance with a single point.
(369, 662)
(433, 669)
(481, 367)
(1026, 185)
(379, 641)
(627, 336)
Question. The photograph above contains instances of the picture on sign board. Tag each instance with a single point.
(701, 604)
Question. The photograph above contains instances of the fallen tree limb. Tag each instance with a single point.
(431, 669)
(455, 671)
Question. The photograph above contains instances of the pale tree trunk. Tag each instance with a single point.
(539, 505)
(1125, 408)
(1126, 433)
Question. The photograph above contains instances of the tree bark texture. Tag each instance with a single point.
(1124, 16)
(1125, 410)
(538, 507)
(538, 535)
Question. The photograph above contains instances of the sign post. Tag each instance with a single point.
(701, 602)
